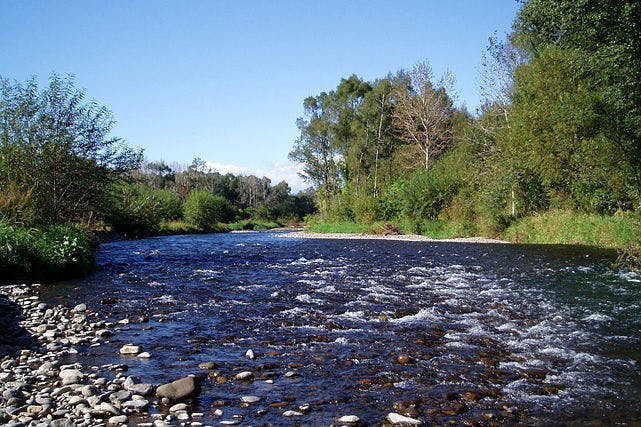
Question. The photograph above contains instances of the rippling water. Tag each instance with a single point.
(498, 334)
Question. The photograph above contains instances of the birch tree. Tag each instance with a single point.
(423, 111)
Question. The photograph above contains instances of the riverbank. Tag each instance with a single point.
(400, 237)
(37, 388)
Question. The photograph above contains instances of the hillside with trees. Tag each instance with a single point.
(553, 152)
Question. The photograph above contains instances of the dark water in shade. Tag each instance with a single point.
(547, 332)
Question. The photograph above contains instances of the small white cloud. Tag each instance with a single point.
(287, 172)
(225, 169)
(275, 171)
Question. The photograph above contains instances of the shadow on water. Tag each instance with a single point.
(12, 336)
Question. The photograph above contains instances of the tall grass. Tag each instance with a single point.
(566, 227)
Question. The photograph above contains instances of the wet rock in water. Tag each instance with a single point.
(250, 399)
(535, 373)
(398, 419)
(349, 419)
(80, 308)
(104, 333)
(176, 390)
(136, 405)
(107, 408)
(456, 409)
(208, 365)
(250, 354)
(407, 408)
(244, 376)
(141, 389)
(178, 407)
(120, 396)
(404, 359)
(292, 414)
(144, 355)
(130, 349)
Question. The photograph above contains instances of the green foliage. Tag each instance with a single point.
(427, 193)
(204, 210)
(16, 251)
(60, 251)
(55, 147)
(135, 212)
(318, 226)
(253, 224)
(434, 228)
(365, 209)
(169, 204)
(65, 251)
(629, 257)
(15, 205)
(567, 227)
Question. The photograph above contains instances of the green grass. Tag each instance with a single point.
(565, 227)
(435, 228)
(181, 227)
(252, 224)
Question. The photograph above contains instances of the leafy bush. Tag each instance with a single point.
(365, 209)
(16, 254)
(426, 194)
(60, 251)
(204, 210)
(135, 210)
(391, 201)
(65, 251)
(169, 204)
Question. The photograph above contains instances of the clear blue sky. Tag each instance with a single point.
(225, 81)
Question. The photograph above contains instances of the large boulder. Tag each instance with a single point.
(176, 390)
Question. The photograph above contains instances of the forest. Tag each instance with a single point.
(553, 155)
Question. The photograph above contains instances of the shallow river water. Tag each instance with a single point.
(479, 334)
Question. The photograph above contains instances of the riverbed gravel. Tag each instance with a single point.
(36, 389)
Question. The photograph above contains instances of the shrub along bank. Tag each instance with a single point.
(58, 251)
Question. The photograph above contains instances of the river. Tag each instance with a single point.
(476, 333)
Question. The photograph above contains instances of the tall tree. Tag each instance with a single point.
(314, 148)
(57, 147)
(423, 110)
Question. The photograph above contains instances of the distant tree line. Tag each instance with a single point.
(157, 193)
(559, 129)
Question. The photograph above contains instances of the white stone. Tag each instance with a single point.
(250, 399)
(130, 349)
(178, 407)
(80, 307)
(292, 414)
(250, 354)
(349, 419)
(70, 376)
(119, 419)
(395, 418)
(245, 376)
(144, 355)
